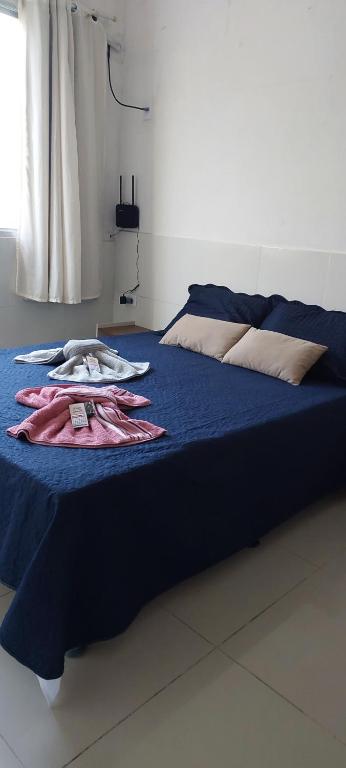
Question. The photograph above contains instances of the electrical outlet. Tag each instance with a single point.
(148, 114)
(133, 298)
(130, 299)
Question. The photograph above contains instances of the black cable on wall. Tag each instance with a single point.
(128, 106)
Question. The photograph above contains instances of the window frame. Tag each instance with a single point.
(9, 7)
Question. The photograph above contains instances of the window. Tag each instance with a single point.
(11, 52)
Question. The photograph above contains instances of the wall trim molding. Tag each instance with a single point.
(168, 265)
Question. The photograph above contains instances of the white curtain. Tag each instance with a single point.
(60, 230)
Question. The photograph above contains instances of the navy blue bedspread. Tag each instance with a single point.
(88, 536)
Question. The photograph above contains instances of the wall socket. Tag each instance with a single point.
(128, 298)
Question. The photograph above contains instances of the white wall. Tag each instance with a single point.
(242, 170)
(115, 32)
(30, 322)
(25, 322)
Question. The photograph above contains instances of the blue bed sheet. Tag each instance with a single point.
(242, 452)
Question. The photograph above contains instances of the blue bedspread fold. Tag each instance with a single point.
(88, 537)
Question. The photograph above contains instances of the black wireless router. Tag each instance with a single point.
(127, 214)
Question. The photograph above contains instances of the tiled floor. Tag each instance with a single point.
(243, 666)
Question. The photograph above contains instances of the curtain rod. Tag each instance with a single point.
(91, 12)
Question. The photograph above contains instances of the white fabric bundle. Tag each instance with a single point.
(42, 356)
(73, 367)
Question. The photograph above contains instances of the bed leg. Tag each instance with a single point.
(74, 653)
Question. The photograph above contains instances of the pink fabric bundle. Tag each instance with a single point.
(109, 426)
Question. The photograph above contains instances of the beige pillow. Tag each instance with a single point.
(204, 335)
(275, 354)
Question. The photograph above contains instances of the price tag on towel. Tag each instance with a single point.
(78, 415)
(92, 364)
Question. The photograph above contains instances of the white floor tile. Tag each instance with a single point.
(216, 716)
(222, 599)
(299, 647)
(98, 690)
(3, 589)
(7, 758)
(5, 602)
(319, 533)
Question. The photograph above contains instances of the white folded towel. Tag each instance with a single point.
(42, 356)
(73, 368)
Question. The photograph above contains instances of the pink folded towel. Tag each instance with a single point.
(109, 426)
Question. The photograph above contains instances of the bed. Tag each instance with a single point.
(242, 452)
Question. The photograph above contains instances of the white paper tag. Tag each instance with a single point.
(78, 415)
(93, 364)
